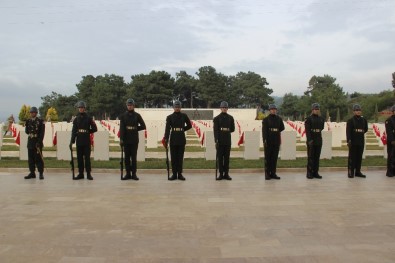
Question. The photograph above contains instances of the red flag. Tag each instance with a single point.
(55, 140)
(164, 142)
(92, 139)
(202, 141)
(18, 139)
(384, 138)
(241, 140)
(145, 134)
(119, 133)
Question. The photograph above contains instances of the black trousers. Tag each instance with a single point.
(84, 158)
(177, 158)
(355, 158)
(131, 154)
(223, 153)
(313, 159)
(390, 159)
(34, 159)
(271, 156)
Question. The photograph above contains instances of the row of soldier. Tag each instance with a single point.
(178, 123)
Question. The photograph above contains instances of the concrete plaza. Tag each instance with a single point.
(248, 219)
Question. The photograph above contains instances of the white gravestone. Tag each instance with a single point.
(326, 151)
(251, 145)
(101, 146)
(210, 150)
(62, 146)
(141, 149)
(337, 136)
(152, 137)
(288, 145)
(23, 145)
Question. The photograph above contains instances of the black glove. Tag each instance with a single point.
(349, 144)
(121, 143)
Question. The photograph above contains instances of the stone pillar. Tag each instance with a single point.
(326, 152)
(101, 146)
(251, 145)
(288, 145)
(62, 146)
(23, 145)
(210, 150)
(141, 149)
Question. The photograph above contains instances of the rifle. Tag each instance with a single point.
(72, 162)
(167, 162)
(121, 163)
(267, 175)
(42, 158)
(216, 162)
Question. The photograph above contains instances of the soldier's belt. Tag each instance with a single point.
(82, 131)
(33, 135)
(178, 129)
(273, 129)
(359, 130)
(131, 127)
(315, 130)
(225, 129)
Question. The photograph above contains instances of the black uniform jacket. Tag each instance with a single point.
(177, 124)
(35, 128)
(390, 129)
(314, 124)
(356, 128)
(131, 123)
(83, 126)
(224, 125)
(272, 126)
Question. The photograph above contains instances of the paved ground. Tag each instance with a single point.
(335, 219)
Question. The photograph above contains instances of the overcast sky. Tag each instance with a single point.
(48, 45)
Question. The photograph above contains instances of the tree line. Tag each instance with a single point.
(105, 95)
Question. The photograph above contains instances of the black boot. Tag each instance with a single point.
(389, 174)
(220, 177)
(134, 177)
(31, 175)
(309, 175)
(350, 173)
(267, 175)
(316, 175)
(89, 176)
(173, 177)
(41, 176)
(128, 176)
(180, 177)
(227, 177)
(80, 176)
(275, 176)
(359, 174)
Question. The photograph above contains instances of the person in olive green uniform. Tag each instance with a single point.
(130, 124)
(356, 128)
(224, 125)
(390, 130)
(314, 124)
(83, 126)
(177, 124)
(272, 126)
(35, 129)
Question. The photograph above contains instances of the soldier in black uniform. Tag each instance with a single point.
(356, 128)
(390, 130)
(314, 124)
(130, 124)
(177, 124)
(83, 126)
(272, 126)
(35, 129)
(224, 125)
